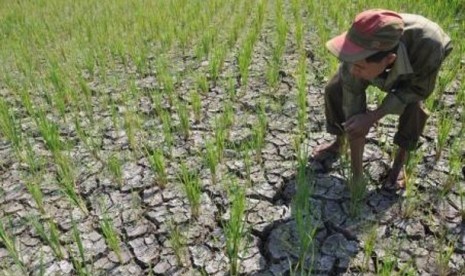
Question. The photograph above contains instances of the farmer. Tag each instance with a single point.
(400, 54)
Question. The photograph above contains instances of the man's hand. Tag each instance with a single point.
(358, 125)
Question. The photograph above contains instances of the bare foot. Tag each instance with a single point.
(327, 150)
(394, 181)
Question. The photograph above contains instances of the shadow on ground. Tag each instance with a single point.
(336, 234)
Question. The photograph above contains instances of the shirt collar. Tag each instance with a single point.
(401, 66)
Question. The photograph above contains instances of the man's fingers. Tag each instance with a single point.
(349, 121)
(351, 132)
(348, 126)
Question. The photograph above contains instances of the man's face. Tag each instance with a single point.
(369, 70)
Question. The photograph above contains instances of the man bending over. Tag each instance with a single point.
(400, 54)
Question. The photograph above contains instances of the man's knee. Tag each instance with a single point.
(333, 88)
(411, 125)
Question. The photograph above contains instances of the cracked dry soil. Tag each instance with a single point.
(144, 213)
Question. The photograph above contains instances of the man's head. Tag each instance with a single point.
(372, 38)
(372, 66)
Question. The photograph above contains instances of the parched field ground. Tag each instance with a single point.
(81, 194)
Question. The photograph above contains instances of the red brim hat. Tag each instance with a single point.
(346, 50)
(372, 31)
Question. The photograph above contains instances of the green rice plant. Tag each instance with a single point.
(234, 32)
(277, 51)
(211, 159)
(430, 103)
(26, 101)
(183, 38)
(60, 95)
(231, 89)
(299, 34)
(41, 265)
(262, 5)
(444, 127)
(131, 125)
(35, 163)
(167, 83)
(191, 184)
(157, 101)
(412, 201)
(206, 42)
(460, 98)
(259, 132)
(49, 131)
(443, 258)
(33, 188)
(247, 163)
(114, 167)
(86, 101)
(303, 210)
(357, 187)
(79, 265)
(369, 243)
(184, 123)
(410, 171)
(216, 62)
(295, 7)
(118, 50)
(111, 236)
(66, 182)
(90, 64)
(245, 54)
(157, 164)
(238, 22)
(235, 228)
(227, 118)
(455, 166)
(49, 235)
(115, 117)
(167, 134)
(9, 126)
(89, 142)
(357, 190)
(196, 104)
(202, 83)
(272, 71)
(302, 95)
(244, 59)
(445, 77)
(387, 266)
(177, 242)
(10, 245)
(140, 59)
(262, 117)
(282, 26)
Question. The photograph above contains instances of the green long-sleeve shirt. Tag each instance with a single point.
(422, 48)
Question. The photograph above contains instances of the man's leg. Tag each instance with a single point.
(396, 177)
(411, 125)
(357, 147)
(334, 118)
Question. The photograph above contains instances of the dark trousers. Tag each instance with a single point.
(411, 122)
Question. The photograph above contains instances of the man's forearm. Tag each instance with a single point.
(377, 114)
(357, 142)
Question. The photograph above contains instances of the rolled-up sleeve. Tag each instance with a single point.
(417, 89)
(426, 64)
